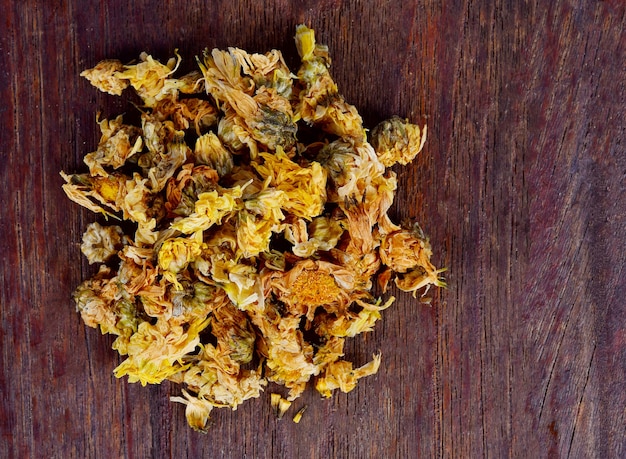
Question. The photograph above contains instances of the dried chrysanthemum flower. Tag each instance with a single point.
(155, 351)
(320, 103)
(104, 77)
(258, 116)
(304, 187)
(150, 79)
(397, 141)
(322, 234)
(210, 151)
(101, 242)
(408, 252)
(245, 255)
(118, 143)
(94, 192)
(266, 70)
(182, 191)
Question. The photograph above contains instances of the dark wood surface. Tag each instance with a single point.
(521, 187)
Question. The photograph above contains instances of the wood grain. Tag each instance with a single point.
(521, 188)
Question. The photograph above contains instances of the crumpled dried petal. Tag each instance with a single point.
(197, 410)
(341, 375)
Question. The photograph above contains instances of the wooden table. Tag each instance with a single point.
(521, 188)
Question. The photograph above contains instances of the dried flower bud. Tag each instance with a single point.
(100, 243)
(397, 141)
(210, 151)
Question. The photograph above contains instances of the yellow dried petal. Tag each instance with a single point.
(279, 405)
(298, 416)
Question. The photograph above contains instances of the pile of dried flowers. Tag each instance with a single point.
(248, 255)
